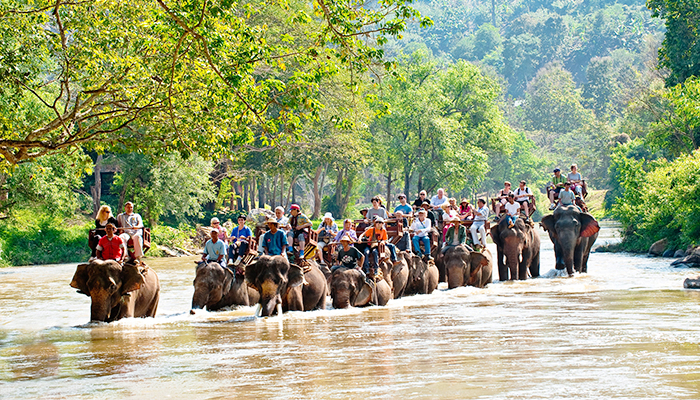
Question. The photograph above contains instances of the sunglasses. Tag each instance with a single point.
(215, 223)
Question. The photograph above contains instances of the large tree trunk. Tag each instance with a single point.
(97, 188)
(388, 191)
(282, 189)
(273, 197)
(246, 184)
(339, 187)
(317, 192)
(493, 12)
(420, 182)
(406, 183)
(232, 200)
(290, 193)
(239, 195)
(261, 191)
(253, 187)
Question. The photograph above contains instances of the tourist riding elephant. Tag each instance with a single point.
(349, 287)
(422, 276)
(280, 285)
(468, 268)
(216, 287)
(573, 233)
(520, 245)
(117, 291)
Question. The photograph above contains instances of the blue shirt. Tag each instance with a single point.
(245, 232)
(405, 209)
(214, 250)
(275, 243)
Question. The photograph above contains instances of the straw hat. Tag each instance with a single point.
(464, 201)
(272, 221)
(346, 238)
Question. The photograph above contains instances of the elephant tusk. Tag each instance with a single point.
(279, 309)
(258, 310)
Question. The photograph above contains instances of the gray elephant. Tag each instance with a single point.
(349, 287)
(216, 287)
(520, 246)
(285, 287)
(399, 275)
(117, 291)
(422, 276)
(573, 233)
(468, 268)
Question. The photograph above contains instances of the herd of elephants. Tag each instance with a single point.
(119, 291)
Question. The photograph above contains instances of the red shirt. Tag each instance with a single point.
(111, 249)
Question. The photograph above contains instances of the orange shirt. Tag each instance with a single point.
(370, 234)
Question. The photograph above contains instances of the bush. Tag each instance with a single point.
(659, 200)
(171, 237)
(28, 239)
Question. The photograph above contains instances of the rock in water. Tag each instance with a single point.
(690, 261)
(679, 254)
(658, 247)
(668, 253)
(692, 283)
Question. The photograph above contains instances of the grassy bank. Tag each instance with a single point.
(29, 239)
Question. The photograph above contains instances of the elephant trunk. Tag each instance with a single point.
(100, 307)
(341, 300)
(199, 299)
(567, 250)
(269, 305)
(455, 275)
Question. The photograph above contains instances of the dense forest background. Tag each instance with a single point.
(455, 94)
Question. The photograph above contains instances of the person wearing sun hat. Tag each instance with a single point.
(274, 240)
(456, 235)
(465, 210)
(326, 232)
(348, 256)
(300, 225)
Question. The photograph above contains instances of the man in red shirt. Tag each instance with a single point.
(111, 247)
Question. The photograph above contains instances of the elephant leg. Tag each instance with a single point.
(151, 312)
(578, 256)
(295, 300)
(535, 264)
(502, 269)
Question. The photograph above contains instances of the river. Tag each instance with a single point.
(625, 330)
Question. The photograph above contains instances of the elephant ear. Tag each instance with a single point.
(478, 262)
(548, 224)
(496, 235)
(367, 294)
(295, 276)
(252, 272)
(132, 279)
(80, 279)
(589, 225)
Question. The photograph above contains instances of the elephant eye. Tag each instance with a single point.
(112, 287)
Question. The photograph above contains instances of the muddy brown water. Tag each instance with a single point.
(625, 330)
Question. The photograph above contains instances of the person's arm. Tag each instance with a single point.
(124, 253)
(98, 252)
(361, 262)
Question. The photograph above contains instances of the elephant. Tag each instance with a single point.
(520, 245)
(573, 233)
(422, 276)
(280, 285)
(117, 291)
(349, 287)
(399, 275)
(216, 287)
(468, 268)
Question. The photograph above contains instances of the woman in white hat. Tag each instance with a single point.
(326, 232)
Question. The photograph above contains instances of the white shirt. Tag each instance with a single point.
(421, 228)
(436, 201)
(512, 209)
(482, 214)
(522, 195)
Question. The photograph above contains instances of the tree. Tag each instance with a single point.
(680, 51)
(207, 76)
(167, 184)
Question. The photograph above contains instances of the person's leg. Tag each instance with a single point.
(526, 206)
(319, 254)
(416, 246)
(551, 196)
(290, 241)
(472, 230)
(231, 251)
(138, 246)
(302, 244)
(482, 233)
(243, 249)
(94, 240)
(392, 251)
(367, 252)
(426, 243)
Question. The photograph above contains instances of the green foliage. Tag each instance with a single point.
(680, 51)
(164, 185)
(660, 200)
(180, 237)
(199, 76)
(677, 130)
(32, 239)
